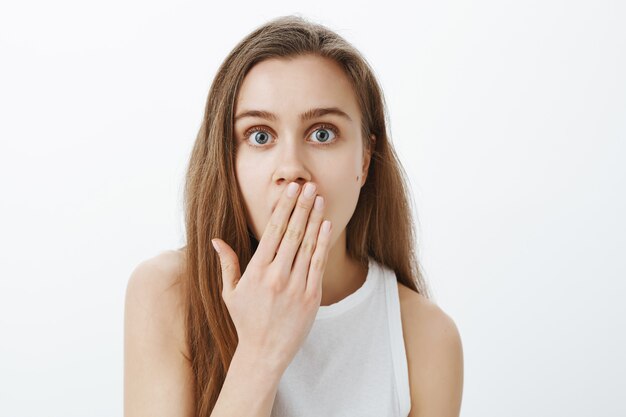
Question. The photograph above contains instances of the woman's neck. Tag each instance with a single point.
(343, 275)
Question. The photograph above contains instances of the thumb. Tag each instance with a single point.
(229, 263)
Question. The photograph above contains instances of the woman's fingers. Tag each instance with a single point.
(295, 230)
(318, 261)
(307, 247)
(273, 233)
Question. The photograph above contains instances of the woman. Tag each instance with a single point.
(288, 317)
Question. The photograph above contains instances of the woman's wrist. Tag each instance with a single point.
(263, 365)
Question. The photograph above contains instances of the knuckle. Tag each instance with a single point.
(228, 267)
(293, 291)
(274, 229)
(293, 234)
(317, 264)
(312, 297)
(307, 247)
(276, 285)
(303, 205)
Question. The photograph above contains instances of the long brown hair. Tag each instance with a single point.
(381, 226)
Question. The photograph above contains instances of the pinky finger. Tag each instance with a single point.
(318, 260)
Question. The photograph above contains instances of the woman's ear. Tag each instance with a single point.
(367, 159)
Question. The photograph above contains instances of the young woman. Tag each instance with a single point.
(311, 301)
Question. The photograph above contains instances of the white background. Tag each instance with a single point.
(509, 118)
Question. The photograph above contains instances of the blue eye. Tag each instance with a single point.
(322, 134)
(258, 136)
(261, 137)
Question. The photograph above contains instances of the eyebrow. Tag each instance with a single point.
(307, 115)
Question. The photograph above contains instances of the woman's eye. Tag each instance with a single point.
(260, 137)
(323, 134)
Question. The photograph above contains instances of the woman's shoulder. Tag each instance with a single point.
(411, 299)
(158, 377)
(169, 264)
(420, 314)
(434, 354)
(160, 277)
(156, 287)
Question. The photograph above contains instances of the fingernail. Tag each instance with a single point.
(217, 249)
(326, 226)
(309, 190)
(319, 202)
(292, 189)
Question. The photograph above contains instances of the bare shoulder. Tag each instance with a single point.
(157, 374)
(156, 287)
(434, 356)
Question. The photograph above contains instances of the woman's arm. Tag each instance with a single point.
(435, 357)
(158, 379)
(249, 389)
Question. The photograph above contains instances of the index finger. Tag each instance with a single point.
(275, 228)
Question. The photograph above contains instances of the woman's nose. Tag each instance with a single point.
(291, 164)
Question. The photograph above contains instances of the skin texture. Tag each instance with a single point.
(290, 149)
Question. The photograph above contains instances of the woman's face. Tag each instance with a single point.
(272, 151)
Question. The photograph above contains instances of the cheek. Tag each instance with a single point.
(254, 202)
(344, 174)
(343, 189)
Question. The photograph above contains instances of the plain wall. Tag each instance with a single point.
(509, 119)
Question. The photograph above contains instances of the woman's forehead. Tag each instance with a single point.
(280, 85)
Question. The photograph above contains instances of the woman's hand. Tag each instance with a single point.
(274, 303)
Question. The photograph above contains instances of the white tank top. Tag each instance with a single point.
(353, 362)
